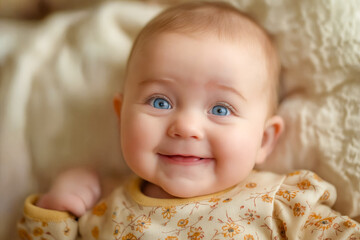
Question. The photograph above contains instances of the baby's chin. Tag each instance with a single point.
(154, 191)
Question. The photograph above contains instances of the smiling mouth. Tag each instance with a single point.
(183, 159)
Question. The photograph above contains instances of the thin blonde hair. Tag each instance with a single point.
(222, 19)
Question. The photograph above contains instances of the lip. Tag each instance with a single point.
(184, 159)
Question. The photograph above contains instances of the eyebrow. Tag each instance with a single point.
(225, 87)
(218, 84)
(157, 80)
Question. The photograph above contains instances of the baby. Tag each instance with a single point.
(196, 115)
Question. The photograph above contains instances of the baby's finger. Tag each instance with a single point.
(73, 204)
(89, 195)
(63, 202)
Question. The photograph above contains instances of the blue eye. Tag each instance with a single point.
(220, 110)
(160, 103)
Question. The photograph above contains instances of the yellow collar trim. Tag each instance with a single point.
(134, 189)
(41, 214)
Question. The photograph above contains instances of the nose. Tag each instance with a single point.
(186, 126)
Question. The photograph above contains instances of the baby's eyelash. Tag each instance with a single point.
(152, 97)
(227, 105)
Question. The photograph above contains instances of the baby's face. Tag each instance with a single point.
(194, 112)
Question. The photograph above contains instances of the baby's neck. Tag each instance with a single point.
(154, 191)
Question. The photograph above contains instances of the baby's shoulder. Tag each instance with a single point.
(299, 186)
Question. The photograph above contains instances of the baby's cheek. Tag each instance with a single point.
(227, 143)
(134, 133)
(236, 151)
(139, 136)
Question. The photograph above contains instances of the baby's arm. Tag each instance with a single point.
(75, 190)
(303, 210)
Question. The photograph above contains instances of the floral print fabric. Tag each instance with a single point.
(264, 206)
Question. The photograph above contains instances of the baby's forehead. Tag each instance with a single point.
(223, 56)
(244, 39)
(237, 45)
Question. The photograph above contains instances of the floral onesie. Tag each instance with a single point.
(264, 206)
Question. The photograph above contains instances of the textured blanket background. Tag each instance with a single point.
(58, 76)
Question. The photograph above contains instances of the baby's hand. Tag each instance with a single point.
(75, 190)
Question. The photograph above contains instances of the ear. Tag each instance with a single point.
(274, 127)
(117, 101)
